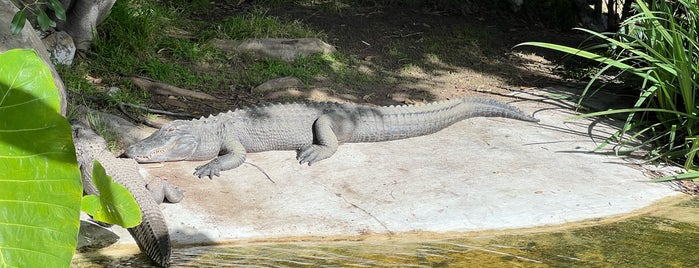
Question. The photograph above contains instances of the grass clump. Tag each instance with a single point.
(304, 68)
(659, 45)
(259, 25)
(129, 35)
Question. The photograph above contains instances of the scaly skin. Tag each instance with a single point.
(152, 234)
(314, 130)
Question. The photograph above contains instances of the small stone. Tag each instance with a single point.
(61, 47)
(278, 84)
(93, 236)
(111, 91)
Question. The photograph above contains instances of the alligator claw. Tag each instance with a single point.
(312, 153)
(305, 153)
(210, 169)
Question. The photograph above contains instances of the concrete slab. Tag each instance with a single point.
(480, 174)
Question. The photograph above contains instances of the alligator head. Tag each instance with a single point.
(173, 142)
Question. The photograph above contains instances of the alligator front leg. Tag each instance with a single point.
(233, 156)
(326, 142)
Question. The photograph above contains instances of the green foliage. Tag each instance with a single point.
(114, 205)
(75, 78)
(44, 21)
(659, 45)
(100, 126)
(259, 25)
(58, 9)
(18, 21)
(41, 187)
(132, 32)
(40, 206)
(304, 68)
(42, 18)
(157, 40)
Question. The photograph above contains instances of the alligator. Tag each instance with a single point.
(151, 234)
(314, 130)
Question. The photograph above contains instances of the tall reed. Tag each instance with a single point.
(660, 45)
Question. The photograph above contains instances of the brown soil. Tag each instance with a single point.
(411, 55)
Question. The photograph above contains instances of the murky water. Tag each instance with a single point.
(667, 237)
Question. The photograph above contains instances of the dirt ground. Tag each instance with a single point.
(412, 56)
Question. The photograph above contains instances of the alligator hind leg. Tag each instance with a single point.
(325, 142)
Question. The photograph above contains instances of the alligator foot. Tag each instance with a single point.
(210, 169)
(162, 191)
(314, 153)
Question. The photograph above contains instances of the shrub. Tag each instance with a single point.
(660, 45)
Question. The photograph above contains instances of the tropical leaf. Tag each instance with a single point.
(114, 205)
(18, 22)
(685, 176)
(58, 9)
(44, 21)
(41, 188)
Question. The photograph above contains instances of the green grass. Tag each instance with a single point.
(259, 25)
(100, 127)
(660, 46)
(304, 68)
(76, 78)
(136, 39)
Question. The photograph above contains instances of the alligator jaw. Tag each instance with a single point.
(174, 142)
(149, 157)
(173, 149)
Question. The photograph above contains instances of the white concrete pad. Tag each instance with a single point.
(480, 174)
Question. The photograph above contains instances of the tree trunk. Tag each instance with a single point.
(82, 18)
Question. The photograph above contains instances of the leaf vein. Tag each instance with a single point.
(34, 203)
(25, 129)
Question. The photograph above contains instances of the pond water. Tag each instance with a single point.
(663, 236)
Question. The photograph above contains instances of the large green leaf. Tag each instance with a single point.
(40, 186)
(114, 205)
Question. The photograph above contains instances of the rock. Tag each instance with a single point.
(315, 95)
(127, 133)
(278, 84)
(61, 47)
(279, 48)
(92, 236)
(112, 91)
(27, 38)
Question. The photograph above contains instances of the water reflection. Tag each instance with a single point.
(666, 238)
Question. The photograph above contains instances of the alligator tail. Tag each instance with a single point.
(484, 107)
(385, 123)
(151, 234)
